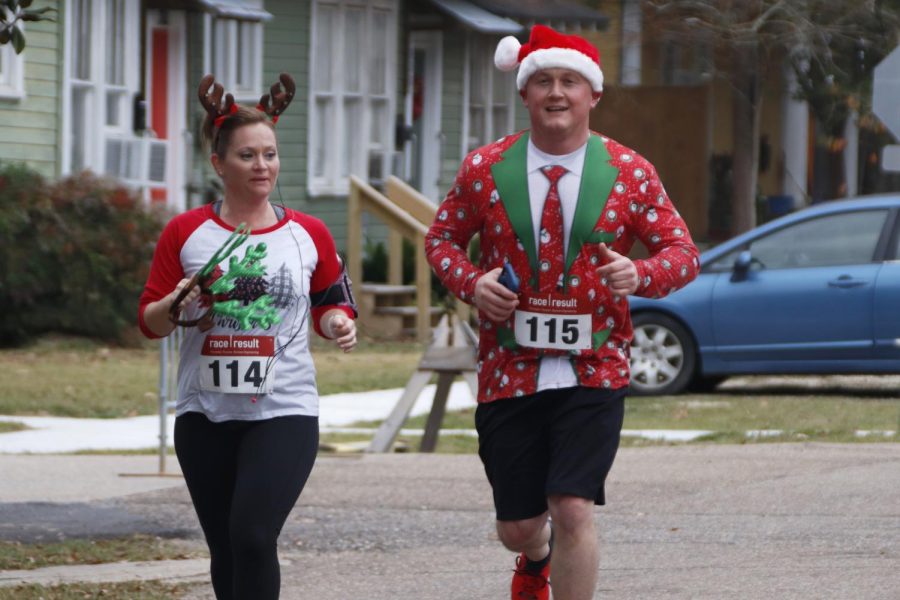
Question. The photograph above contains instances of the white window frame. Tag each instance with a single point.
(359, 161)
(226, 55)
(95, 85)
(477, 46)
(12, 70)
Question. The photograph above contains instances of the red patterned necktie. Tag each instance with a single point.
(551, 256)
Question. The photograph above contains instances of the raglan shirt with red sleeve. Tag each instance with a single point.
(228, 373)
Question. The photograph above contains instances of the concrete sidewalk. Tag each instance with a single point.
(337, 411)
(59, 434)
(703, 522)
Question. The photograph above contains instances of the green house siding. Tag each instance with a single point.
(451, 108)
(286, 50)
(522, 121)
(30, 127)
(287, 47)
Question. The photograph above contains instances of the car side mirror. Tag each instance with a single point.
(741, 266)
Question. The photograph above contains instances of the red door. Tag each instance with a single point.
(159, 95)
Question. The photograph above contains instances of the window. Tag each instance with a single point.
(492, 94)
(12, 71)
(101, 78)
(725, 263)
(686, 62)
(896, 255)
(116, 89)
(832, 240)
(237, 57)
(352, 75)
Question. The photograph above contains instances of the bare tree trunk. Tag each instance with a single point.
(829, 176)
(746, 105)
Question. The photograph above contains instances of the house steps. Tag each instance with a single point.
(388, 312)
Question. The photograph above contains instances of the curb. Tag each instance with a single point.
(193, 569)
(667, 435)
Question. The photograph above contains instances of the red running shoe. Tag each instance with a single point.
(528, 585)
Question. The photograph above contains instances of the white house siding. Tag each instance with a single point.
(29, 127)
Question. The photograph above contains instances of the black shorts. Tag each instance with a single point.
(552, 442)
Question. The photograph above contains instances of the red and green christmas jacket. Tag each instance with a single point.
(620, 200)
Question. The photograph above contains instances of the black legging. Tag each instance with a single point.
(244, 478)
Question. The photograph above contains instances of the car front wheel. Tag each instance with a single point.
(663, 355)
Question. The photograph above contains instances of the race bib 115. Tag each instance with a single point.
(553, 321)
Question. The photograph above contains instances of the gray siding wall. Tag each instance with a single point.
(30, 127)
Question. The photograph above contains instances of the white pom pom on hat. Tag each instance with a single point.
(506, 57)
(547, 49)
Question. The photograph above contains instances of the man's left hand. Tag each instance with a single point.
(620, 273)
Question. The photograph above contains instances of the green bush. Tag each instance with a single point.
(74, 255)
(375, 267)
(375, 261)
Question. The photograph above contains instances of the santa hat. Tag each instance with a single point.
(549, 49)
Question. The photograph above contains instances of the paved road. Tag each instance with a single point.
(757, 521)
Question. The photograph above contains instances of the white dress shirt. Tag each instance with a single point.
(555, 371)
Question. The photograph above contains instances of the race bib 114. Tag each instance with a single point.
(236, 364)
(553, 321)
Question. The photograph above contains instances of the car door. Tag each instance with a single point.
(808, 296)
(886, 314)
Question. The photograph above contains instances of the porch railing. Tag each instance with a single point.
(407, 214)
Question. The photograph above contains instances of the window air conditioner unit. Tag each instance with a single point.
(136, 161)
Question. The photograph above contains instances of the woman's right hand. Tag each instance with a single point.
(157, 314)
(190, 297)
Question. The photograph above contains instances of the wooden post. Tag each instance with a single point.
(395, 257)
(438, 409)
(423, 292)
(354, 234)
(451, 354)
(387, 433)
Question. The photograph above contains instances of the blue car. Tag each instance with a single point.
(816, 291)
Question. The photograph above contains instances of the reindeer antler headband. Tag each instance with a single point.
(211, 92)
(212, 100)
(280, 99)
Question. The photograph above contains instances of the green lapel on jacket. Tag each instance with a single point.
(597, 179)
(511, 180)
